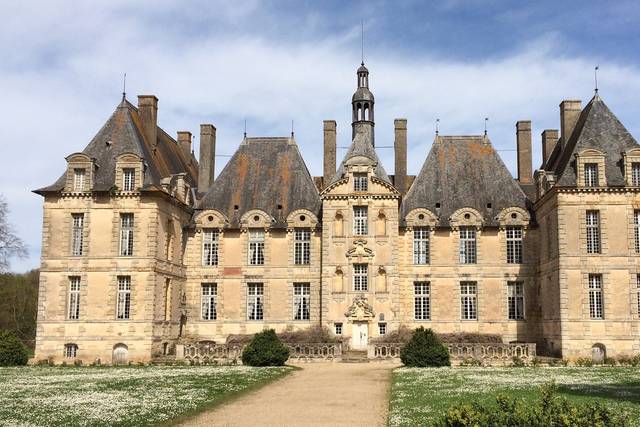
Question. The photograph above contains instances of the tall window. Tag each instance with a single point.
(209, 296)
(590, 174)
(635, 174)
(469, 300)
(421, 245)
(468, 252)
(301, 297)
(514, 245)
(636, 230)
(256, 247)
(74, 297)
(128, 179)
(126, 234)
(360, 277)
(70, 351)
(78, 179)
(422, 300)
(593, 232)
(360, 220)
(515, 300)
(596, 309)
(301, 246)
(638, 292)
(210, 241)
(360, 182)
(255, 295)
(123, 309)
(77, 234)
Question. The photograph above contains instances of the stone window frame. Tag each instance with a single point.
(467, 217)
(70, 351)
(422, 296)
(360, 182)
(256, 297)
(382, 328)
(337, 328)
(126, 234)
(126, 291)
(82, 231)
(425, 219)
(606, 289)
(595, 291)
(298, 220)
(355, 229)
(74, 297)
(513, 216)
(211, 219)
(630, 157)
(511, 283)
(477, 298)
(597, 246)
(253, 220)
(79, 161)
(129, 161)
(590, 155)
(209, 300)
(299, 300)
(366, 276)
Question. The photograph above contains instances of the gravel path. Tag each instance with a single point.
(320, 394)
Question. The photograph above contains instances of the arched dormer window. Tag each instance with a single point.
(80, 172)
(590, 169)
(129, 172)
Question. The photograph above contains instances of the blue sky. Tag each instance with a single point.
(269, 62)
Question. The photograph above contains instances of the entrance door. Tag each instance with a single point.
(359, 335)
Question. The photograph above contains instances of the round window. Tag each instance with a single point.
(302, 217)
(256, 218)
(467, 216)
(514, 215)
(421, 216)
(210, 218)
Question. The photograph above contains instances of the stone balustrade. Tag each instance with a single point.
(384, 350)
(306, 351)
(486, 352)
(210, 352)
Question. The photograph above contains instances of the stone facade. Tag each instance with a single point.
(145, 252)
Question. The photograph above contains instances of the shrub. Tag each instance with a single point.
(265, 349)
(548, 410)
(517, 362)
(584, 361)
(471, 361)
(12, 351)
(424, 349)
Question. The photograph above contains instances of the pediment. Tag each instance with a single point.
(359, 252)
(360, 309)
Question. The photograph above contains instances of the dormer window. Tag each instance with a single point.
(635, 174)
(78, 179)
(128, 179)
(360, 182)
(590, 174)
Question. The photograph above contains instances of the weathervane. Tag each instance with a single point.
(124, 86)
(437, 127)
(595, 77)
(245, 128)
(291, 128)
(486, 119)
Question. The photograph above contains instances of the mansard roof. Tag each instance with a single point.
(123, 133)
(263, 173)
(598, 128)
(362, 146)
(463, 171)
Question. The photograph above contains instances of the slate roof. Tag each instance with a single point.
(262, 174)
(163, 157)
(362, 146)
(463, 171)
(598, 128)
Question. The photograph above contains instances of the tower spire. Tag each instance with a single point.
(362, 105)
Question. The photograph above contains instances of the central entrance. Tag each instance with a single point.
(359, 335)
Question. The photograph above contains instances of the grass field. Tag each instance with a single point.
(128, 396)
(420, 396)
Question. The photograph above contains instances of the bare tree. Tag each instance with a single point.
(10, 244)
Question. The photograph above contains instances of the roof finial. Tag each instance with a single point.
(362, 40)
(486, 119)
(437, 127)
(595, 77)
(124, 87)
(245, 128)
(292, 128)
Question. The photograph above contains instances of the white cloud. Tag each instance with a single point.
(62, 80)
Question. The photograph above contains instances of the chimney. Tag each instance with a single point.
(400, 154)
(569, 113)
(207, 164)
(148, 111)
(549, 140)
(329, 167)
(523, 138)
(184, 141)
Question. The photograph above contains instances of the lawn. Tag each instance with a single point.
(128, 396)
(420, 396)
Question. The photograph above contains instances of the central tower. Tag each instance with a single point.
(362, 106)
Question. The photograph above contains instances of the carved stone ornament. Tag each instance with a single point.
(360, 309)
(359, 252)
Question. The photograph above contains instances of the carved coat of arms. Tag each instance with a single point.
(360, 309)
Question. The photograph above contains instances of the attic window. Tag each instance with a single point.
(514, 215)
(128, 179)
(256, 218)
(467, 216)
(78, 179)
(210, 218)
(421, 217)
(302, 217)
(591, 174)
(360, 182)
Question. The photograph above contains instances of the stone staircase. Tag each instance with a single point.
(355, 356)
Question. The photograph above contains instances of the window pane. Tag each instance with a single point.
(255, 310)
(209, 296)
(301, 301)
(596, 309)
(74, 297)
(360, 220)
(422, 300)
(360, 182)
(126, 234)
(468, 301)
(78, 179)
(593, 232)
(256, 247)
(591, 174)
(515, 300)
(210, 241)
(77, 234)
(421, 245)
(123, 309)
(467, 245)
(360, 277)
(128, 179)
(514, 245)
(302, 246)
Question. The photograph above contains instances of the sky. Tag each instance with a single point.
(271, 62)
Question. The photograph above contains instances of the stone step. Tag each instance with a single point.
(355, 356)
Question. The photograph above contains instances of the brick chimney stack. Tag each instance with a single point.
(523, 138)
(148, 111)
(549, 140)
(329, 164)
(207, 163)
(400, 154)
(569, 113)
(184, 141)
